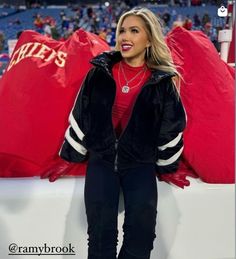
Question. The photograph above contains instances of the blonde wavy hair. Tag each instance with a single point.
(158, 55)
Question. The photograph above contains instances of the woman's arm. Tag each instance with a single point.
(73, 149)
(170, 140)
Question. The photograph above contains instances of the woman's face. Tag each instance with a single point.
(133, 40)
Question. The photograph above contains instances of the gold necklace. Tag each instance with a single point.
(126, 88)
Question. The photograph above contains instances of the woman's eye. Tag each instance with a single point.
(121, 31)
(134, 30)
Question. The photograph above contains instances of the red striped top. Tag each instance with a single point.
(124, 102)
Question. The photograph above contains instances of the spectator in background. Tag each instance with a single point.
(54, 33)
(187, 24)
(205, 19)
(90, 12)
(47, 29)
(50, 20)
(207, 29)
(211, 32)
(62, 13)
(39, 23)
(18, 34)
(178, 21)
(64, 23)
(2, 41)
(111, 37)
(49, 23)
(103, 34)
(215, 40)
(196, 20)
(166, 18)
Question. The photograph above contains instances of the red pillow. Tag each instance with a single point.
(36, 95)
(208, 96)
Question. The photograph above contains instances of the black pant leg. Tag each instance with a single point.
(101, 194)
(140, 199)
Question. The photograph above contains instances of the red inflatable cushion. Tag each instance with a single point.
(208, 96)
(36, 95)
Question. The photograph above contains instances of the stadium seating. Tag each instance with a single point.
(15, 22)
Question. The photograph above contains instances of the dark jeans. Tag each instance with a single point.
(102, 188)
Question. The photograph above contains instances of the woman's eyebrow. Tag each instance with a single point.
(134, 27)
(131, 27)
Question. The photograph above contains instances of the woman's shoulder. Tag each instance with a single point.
(161, 76)
(167, 82)
(106, 57)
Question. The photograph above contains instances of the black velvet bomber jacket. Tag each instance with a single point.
(154, 132)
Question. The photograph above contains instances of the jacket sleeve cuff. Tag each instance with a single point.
(166, 169)
(69, 154)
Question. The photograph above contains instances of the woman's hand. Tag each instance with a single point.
(178, 178)
(57, 170)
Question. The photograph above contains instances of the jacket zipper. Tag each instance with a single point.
(116, 157)
(117, 139)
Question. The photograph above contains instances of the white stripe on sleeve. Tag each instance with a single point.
(75, 127)
(77, 146)
(172, 143)
(162, 162)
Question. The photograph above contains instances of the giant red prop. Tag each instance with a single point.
(208, 96)
(36, 95)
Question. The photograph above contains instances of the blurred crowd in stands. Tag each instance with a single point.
(101, 19)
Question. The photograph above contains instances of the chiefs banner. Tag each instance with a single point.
(208, 96)
(37, 92)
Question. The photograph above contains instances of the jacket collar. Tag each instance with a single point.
(107, 59)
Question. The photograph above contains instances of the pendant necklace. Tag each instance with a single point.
(126, 88)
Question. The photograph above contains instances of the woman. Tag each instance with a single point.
(127, 121)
